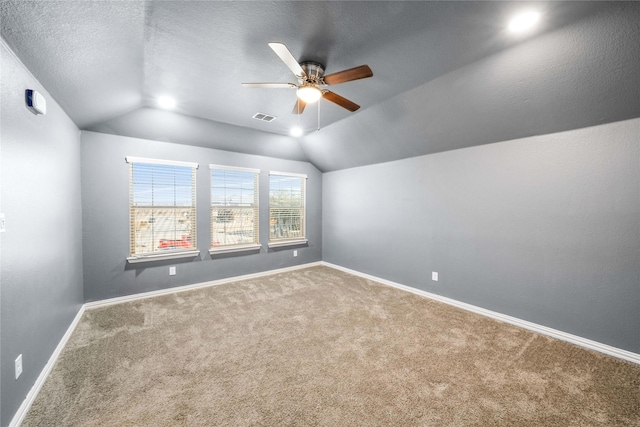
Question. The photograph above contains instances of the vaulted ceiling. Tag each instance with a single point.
(447, 75)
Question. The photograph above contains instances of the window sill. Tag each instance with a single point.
(231, 249)
(288, 243)
(160, 257)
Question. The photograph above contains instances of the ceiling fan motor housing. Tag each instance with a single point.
(314, 71)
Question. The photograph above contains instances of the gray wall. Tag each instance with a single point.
(41, 251)
(105, 202)
(546, 228)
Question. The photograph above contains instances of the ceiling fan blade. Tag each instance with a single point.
(299, 107)
(361, 72)
(339, 100)
(270, 85)
(288, 59)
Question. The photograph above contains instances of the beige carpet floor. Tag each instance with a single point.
(318, 347)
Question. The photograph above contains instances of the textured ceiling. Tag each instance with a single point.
(446, 74)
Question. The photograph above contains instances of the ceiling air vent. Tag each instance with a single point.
(264, 117)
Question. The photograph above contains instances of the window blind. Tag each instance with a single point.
(234, 207)
(162, 201)
(286, 207)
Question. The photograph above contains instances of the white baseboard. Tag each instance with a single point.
(554, 333)
(126, 298)
(31, 396)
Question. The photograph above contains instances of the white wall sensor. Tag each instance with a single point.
(36, 102)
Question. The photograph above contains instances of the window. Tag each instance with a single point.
(286, 209)
(234, 209)
(162, 206)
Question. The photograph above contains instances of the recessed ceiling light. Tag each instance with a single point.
(166, 102)
(524, 21)
(296, 132)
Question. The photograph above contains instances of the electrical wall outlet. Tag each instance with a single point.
(18, 366)
(434, 276)
(172, 271)
(295, 253)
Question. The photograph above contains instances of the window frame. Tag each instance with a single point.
(231, 248)
(275, 243)
(157, 255)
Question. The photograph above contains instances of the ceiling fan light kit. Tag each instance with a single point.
(312, 81)
(309, 93)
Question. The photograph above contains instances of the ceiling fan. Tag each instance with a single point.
(312, 81)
